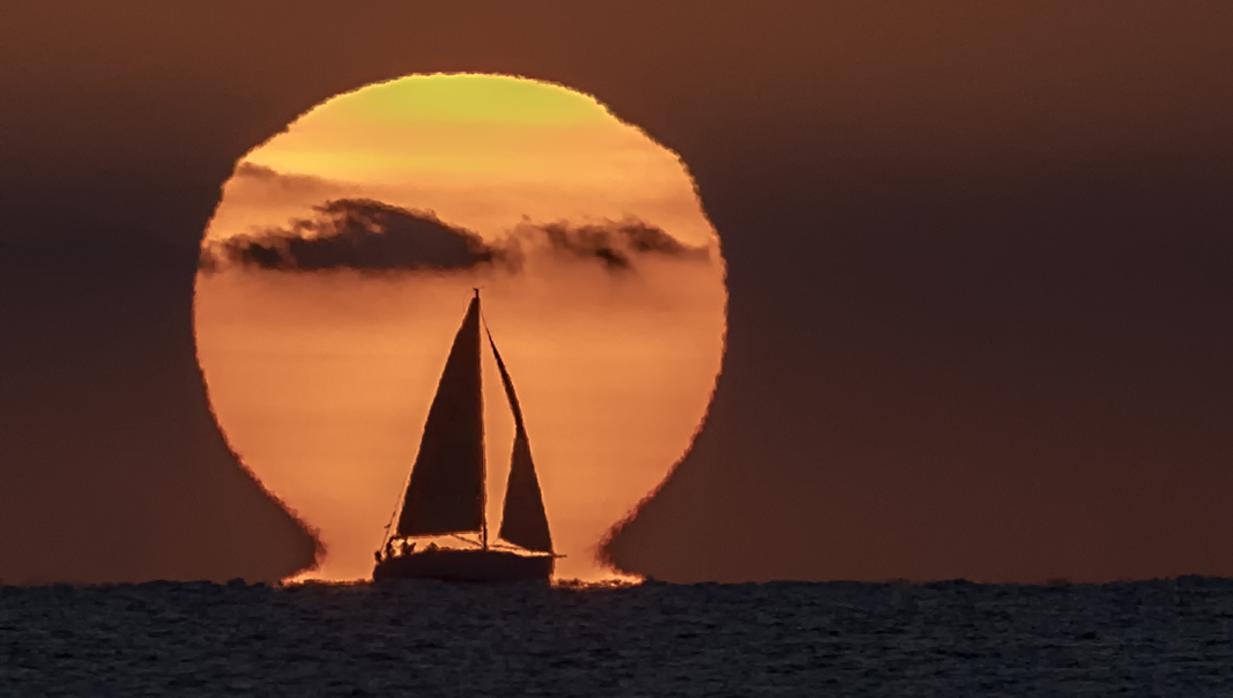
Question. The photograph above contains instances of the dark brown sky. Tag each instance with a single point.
(980, 264)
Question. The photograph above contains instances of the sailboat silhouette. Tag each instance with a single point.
(447, 490)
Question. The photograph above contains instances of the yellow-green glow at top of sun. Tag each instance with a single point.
(481, 151)
(467, 99)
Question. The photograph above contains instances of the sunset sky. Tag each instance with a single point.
(965, 282)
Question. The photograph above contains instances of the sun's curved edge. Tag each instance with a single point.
(602, 549)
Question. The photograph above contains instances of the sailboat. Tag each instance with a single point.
(446, 492)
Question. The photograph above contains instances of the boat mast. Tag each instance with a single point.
(483, 463)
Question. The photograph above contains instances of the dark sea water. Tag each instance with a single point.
(1172, 637)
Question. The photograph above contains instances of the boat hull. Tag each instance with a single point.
(491, 566)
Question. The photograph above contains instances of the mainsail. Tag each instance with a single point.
(523, 521)
(446, 491)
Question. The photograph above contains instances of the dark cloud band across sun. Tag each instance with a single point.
(371, 236)
(358, 234)
(614, 243)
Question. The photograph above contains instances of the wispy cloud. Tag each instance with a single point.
(357, 234)
(614, 243)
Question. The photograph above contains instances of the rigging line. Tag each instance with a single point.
(519, 548)
(397, 500)
(465, 539)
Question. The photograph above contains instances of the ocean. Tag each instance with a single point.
(1166, 637)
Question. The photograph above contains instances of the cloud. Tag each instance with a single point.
(614, 243)
(261, 182)
(372, 236)
(357, 234)
(253, 171)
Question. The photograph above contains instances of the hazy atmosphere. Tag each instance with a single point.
(676, 348)
(976, 267)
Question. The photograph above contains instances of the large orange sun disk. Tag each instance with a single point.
(321, 378)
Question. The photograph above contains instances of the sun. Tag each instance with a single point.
(344, 250)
